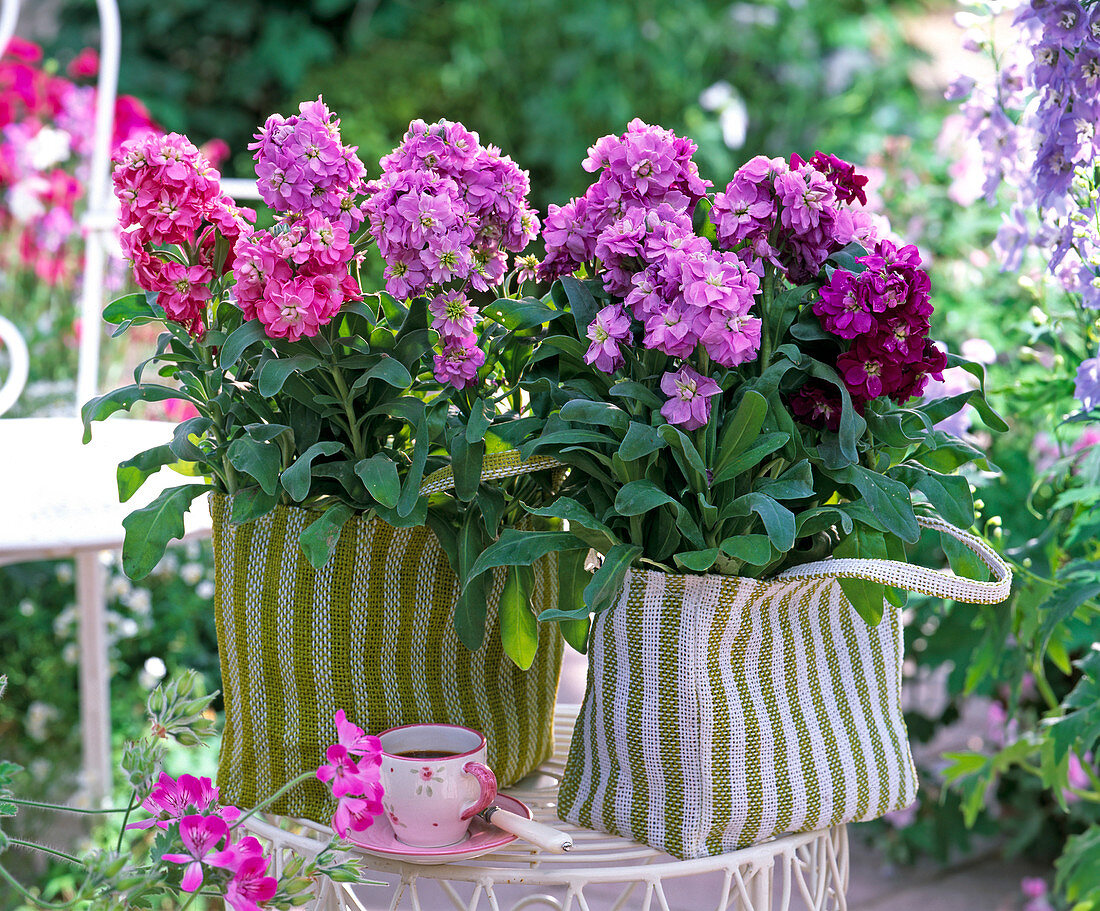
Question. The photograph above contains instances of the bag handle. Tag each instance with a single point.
(495, 465)
(917, 578)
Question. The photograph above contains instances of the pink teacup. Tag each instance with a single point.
(435, 780)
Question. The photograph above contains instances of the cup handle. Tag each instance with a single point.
(488, 784)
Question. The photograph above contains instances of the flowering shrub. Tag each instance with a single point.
(734, 379)
(308, 388)
(1027, 135)
(47, 128)
(199, 844)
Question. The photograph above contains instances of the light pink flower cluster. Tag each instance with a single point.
(793, 215)
(643, 168)
(170, 195)
(454, 318)
(295, 279)
(353, 772)
(303, 166)
(447, 209)
(207, 833)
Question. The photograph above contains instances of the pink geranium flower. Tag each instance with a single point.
(250, 885)
(357, 812)
(343, 773)
(170, 800)
(351, 737)
(200, 836)
(689, 395)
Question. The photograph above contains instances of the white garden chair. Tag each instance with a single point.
(59, 498)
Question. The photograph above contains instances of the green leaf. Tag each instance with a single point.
(607, 581)
(183, 446)
(741, 429)
(260, 461)
(778, 521)
(796, 483)
(636, 392)
(640, 440)
(297, 479)
(560, 438)
(581, 302)
(123, 399)
(698, 561)
(522, 548)
(386, 368)
(888, 500)
(866, 597)
(410, 492)
(240, 339)
(601, 414)
(640, 497)
(273, 371)
(1062, 604)
(572, 578)
(822, 518)
(467, 460)
(992, 420)
(320, 537)
(575, 514)
(249, 504)
(752, 456)
(753, 549)
(949, 495)
(519, 315)
(575, 630)
(134, 308)
(519, 630)
(149, 529)
(379, 476)
(473, 600)
(481, 419)
(133, 472)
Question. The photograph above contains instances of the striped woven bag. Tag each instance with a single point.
(372, 633)
(720, 711)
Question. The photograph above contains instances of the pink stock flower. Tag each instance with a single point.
(459, 362)
(611, 326)
(453, 314)
(200, 836)
(171, 799)
(689, 394)
(732, 338)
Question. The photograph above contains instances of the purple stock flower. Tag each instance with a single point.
(453, 314)
(689, 394)
(611, 326)
(1087, 388)
(459, 362)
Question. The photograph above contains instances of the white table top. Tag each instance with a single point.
(58, 496)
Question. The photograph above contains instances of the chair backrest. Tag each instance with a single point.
(18, 364)
(99, 219)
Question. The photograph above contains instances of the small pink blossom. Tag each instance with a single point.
(689, 394)
(453, 314)
(611, 326)
(171, 800)
(459, 362)
(357, 813)
(250, 885)
(200, 836)
(351, 737)
(342, 773)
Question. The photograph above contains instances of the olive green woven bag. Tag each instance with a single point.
(721, 711)
(371, 633)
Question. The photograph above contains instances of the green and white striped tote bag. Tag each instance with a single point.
(721, 711)
(372, 633)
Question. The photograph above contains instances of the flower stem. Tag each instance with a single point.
(35, 847)
(126, 819)
(345, 397)
(62, 808)
(293, 783)
(18, 887)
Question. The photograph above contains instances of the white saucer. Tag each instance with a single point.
(482, 838)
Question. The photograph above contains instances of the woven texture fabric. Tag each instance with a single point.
(720, 711)
(372, 633)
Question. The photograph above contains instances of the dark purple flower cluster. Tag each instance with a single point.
(793, 215)
(884, 312)
(302, 166)
(643, 168)
(446, 209)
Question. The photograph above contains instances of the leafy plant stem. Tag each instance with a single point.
(126, 819)
(349, 412)
(64, 809)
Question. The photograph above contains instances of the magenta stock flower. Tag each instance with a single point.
(611, 326)
(200, 836)
(689, 394)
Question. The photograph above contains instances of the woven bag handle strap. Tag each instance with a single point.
(917, 578)
(496, 465)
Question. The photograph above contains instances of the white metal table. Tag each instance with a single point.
(806, 872)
